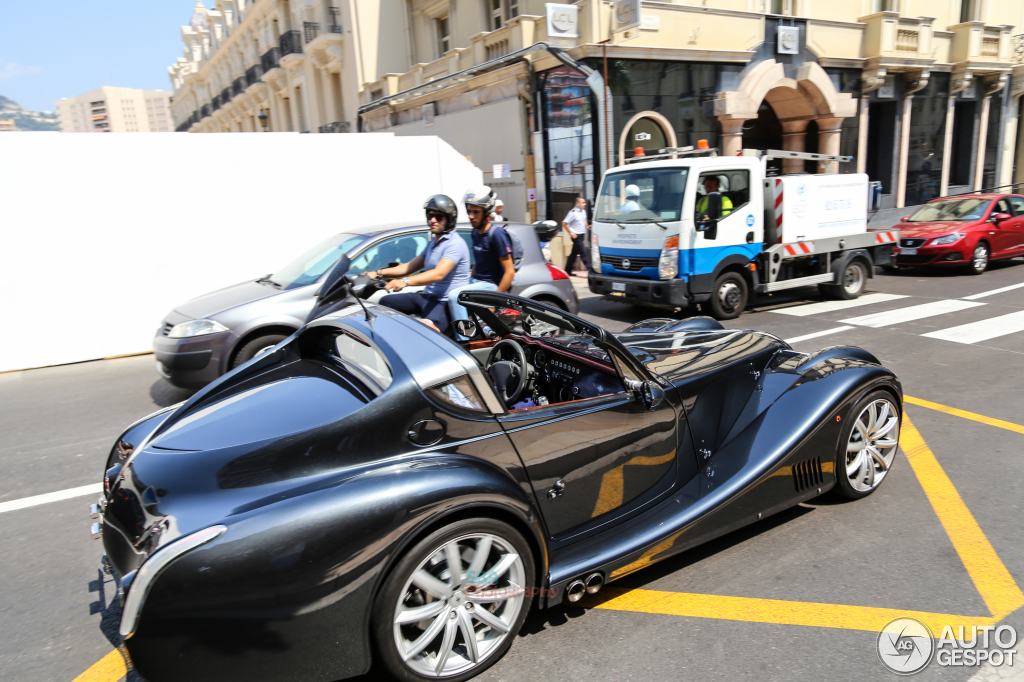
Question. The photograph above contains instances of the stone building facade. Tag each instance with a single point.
(116, 110)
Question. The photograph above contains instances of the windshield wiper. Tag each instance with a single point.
(266, 280)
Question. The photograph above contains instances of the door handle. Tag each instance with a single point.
(556, 490)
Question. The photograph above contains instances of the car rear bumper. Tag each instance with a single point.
(673, 293)
(190, 363)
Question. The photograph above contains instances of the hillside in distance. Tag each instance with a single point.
(26, 119)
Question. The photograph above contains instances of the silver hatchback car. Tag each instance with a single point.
(203, 338)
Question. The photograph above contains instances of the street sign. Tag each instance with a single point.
(562, 24)
(531, 194)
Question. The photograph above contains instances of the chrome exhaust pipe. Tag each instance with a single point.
(594, 582)
(576, 590)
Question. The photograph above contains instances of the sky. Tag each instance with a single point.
(50, 50)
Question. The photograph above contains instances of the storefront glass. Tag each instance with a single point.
(927, 140)
(568, 126)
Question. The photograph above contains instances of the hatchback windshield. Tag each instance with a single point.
(642, 196)
(952, 209)
(308, 267)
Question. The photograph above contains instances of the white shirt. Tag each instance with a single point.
(577, 221)
(496, 218)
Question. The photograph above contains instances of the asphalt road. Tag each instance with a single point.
(58, 614)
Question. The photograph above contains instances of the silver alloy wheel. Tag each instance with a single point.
(872, 445)
(980, 259)
(853, 278)
(459, 605)
(729, 294)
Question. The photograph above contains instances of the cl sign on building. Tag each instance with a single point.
(562, 23)
(627, 14)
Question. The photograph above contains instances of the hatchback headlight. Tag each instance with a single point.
(192, 328)
(948, 239)
(668, 264)
(595, 254)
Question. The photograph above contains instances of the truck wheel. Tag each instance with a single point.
(729, 296)
(851, 282)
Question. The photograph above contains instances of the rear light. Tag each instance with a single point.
(557, 272)
(595, 254)
(668, 263)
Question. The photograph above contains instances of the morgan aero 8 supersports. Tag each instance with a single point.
(372, 493)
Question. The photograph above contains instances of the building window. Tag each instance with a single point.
(885, 6)
(968, 10)
(444, 36)
(497, 16)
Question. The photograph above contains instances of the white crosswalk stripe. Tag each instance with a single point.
(981, 330)
(808, 337)
(994, 291)
(830, 306)
(916, 312)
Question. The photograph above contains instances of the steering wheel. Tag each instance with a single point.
(509, 377)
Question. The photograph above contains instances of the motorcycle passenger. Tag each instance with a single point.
(445, 265)
(492, 251)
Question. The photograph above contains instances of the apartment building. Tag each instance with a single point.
(924, 95)
(116, 110)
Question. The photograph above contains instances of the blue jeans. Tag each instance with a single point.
(458, 312)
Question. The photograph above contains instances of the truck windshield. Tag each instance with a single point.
(642, 196)
(953, 209)
(308, 267)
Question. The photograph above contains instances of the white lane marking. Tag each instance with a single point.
(829, 306)
(981, 330)
(807, 337)
(993, 292)
(914, 312)
(91, 489)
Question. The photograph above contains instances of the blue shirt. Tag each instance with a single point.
(488, 249)
(453, 247)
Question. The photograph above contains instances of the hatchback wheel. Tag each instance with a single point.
(979, 260)
(454, 603)
(868, 446)
(260, 344)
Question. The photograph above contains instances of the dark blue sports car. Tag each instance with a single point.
(372, 492)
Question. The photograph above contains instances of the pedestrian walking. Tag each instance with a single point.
(575, 225)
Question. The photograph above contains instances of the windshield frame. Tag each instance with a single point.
(601, 214)
(953, 201)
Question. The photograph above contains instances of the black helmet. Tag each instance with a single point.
(440, 203)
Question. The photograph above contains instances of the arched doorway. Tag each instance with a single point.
(648, 130)
(764, 132)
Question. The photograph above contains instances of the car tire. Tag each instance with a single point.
(858, 472)
(253, 348)
(980, 259)
(448, 614)
(729, 296)
(851, 285)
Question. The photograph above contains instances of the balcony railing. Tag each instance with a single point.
(253, 75)
(311, 30)
(1018, 48)
(335, 127)
(335, 26)
(205, 111)
(225, 95)
(990, 46)
(270, 59)
(907, 40)
(291, 43)
(237, 87)
(215, 103)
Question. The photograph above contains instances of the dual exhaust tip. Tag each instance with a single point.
(589, 585)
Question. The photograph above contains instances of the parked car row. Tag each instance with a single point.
(968, 231)
(207, 336)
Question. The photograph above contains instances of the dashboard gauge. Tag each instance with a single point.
(540, 359)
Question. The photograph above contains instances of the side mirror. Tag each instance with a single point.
(904, 219)
(651, 394)
(1000, 217)
(714, 211)
(466, 328)
(545, 229)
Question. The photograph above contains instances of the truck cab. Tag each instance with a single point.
(693, 227)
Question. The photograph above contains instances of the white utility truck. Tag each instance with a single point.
(687, 226)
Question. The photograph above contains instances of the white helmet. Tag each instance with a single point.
(632, 191)
(498, 202)
(481, 196)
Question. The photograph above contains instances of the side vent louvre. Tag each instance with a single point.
(807, 474)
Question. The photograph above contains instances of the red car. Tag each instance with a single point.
(968, 230)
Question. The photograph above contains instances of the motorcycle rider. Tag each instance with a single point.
(445, 264)
(492, 250)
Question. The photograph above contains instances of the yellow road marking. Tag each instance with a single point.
(1009, 426)
(110, 668)
(993, 581)
(774, 611)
